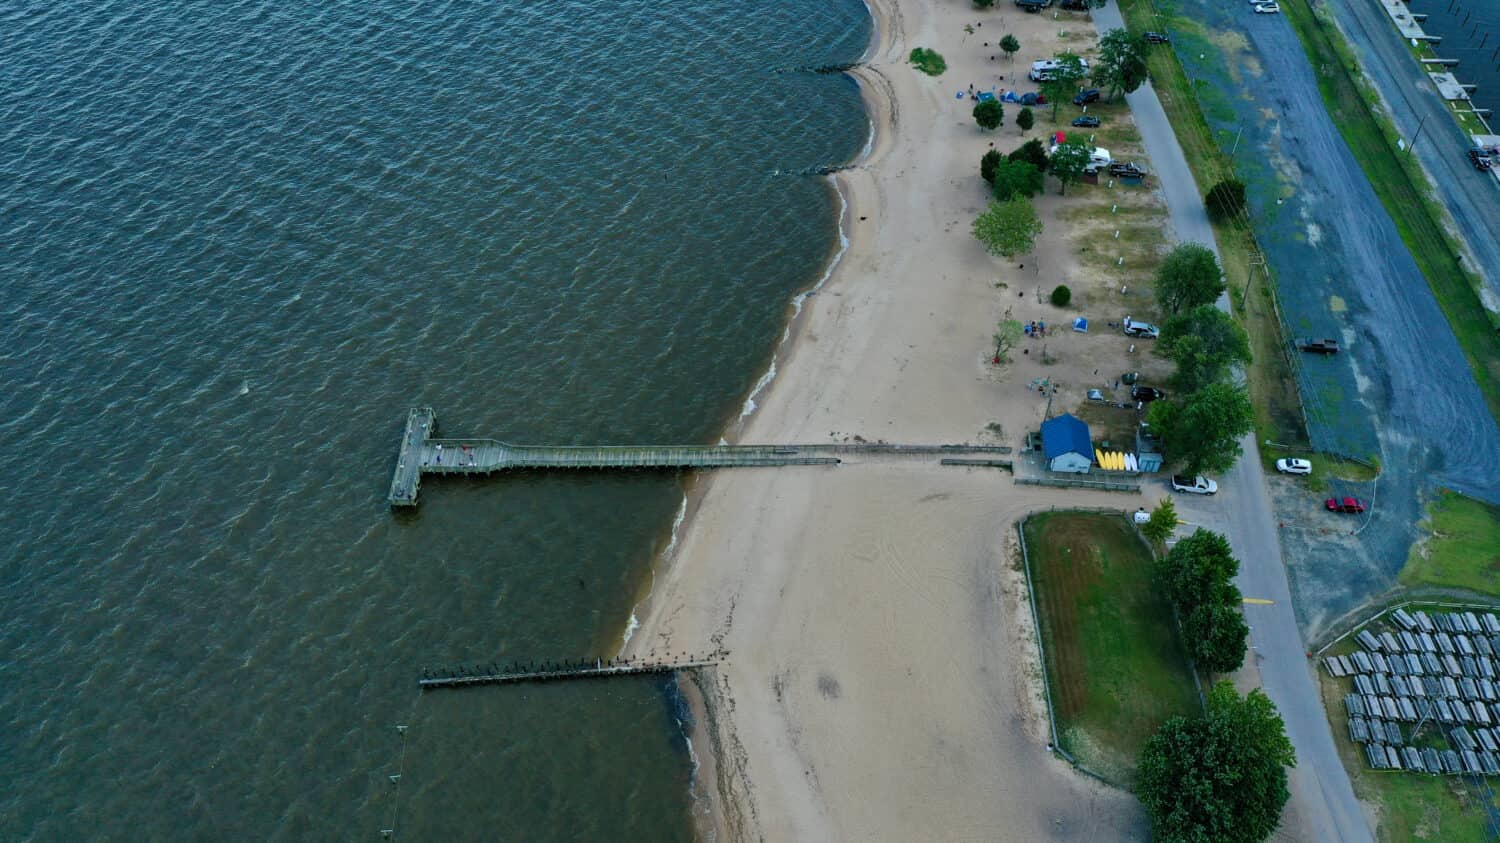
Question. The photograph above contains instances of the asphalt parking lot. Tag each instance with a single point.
(1401, 391)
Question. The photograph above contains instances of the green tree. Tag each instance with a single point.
(1025, 119)
(1204, 342)
(1031, 151)
(1016, 178)
(1010, 45)
(1197, 576)
(1008, 228)
(1067, 163)
(1008, 333)
(1064, 80)
(1189, 276)
(1197, 570)
(1061, 295)
(1218, 778)
(988, 114)
(1203, 431)
(1216, 634)
(1121, 65)
(1163, 521)
(1225, 200)
(988, 163)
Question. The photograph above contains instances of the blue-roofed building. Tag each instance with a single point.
(1066, 444)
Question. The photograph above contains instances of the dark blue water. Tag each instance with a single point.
(239, 240)
(1470, 30)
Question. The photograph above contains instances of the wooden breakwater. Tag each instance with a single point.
(494, 674)
(422, 451)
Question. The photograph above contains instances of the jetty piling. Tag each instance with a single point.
(558, 671)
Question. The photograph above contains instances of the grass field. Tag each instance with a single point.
(1463, 550)
(1116, 666)
(1412, 807)
(1404, 192)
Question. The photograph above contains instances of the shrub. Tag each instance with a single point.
(1025, 119)
(989, 114)
(988, 163)
(928, 61)
(1061, 295)
(1016, 178)
(1033, 153)
(1226, 200)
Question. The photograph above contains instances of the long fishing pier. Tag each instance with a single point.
(465, 678)
(423, 452)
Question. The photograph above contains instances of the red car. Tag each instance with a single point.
(1354, 505)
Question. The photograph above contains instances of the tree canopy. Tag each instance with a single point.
(1008, 228)
(1067, 163)
(1032, 151)
(1203, 430)
(1163, 521)
(1188, 277)
(1199, 569)
(1204, 343)
(1025, 119)
(988, 163)
(1121, 65)
(1007, 334)
(1064, 81)
(1225, 200)
(1218, 778)
(989, 114)
(1016, 178)
(1010, 45)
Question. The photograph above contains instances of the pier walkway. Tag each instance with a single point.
(422, 452)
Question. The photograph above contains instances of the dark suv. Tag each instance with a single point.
(1085, 96)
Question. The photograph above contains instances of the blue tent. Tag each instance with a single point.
(1081, 325)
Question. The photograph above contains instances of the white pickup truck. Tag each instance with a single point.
(1199, 485)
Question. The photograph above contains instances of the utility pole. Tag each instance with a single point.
(1414, 137)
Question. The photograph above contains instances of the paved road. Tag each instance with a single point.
(1472, 197)
(1322, 797)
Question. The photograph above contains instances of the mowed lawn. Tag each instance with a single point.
(1115, 663)
(1463, 549)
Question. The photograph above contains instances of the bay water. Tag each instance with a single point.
(240, 240)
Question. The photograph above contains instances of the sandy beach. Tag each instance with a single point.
(880, 682)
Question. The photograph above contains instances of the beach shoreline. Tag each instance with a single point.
(874, 682)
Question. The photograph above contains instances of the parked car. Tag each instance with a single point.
(1087, 121)
(1351, 505)
(1317, 346)
(1199, 485)
(1158, 38)
(1293, 466)
(1266, 8)
(1086, 96)
(1144, 330)
(1480, 157)
(1147, 393)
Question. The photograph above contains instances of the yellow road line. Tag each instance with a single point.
(1259, 601)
